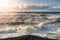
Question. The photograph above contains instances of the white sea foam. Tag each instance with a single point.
(42, 29)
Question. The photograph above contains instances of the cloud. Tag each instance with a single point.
(34, 6)
(41, 7)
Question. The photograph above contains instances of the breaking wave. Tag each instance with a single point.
(28, 24)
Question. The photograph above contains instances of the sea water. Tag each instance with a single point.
(42, 25)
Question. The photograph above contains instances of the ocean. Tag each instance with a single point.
(39, 24)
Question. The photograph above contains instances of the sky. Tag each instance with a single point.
(52, 2)
(40, 1)
(51, 5)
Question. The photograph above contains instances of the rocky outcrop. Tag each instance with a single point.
(28, 37)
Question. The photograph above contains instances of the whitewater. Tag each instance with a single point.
(43, 26)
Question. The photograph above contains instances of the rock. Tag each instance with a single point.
(27, 37)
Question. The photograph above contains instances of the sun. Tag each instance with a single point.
(4, 3)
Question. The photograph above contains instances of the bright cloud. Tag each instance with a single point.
(35, 6)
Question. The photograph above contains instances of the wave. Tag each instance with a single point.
(39, 27)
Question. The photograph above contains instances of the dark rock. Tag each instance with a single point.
(28, 37)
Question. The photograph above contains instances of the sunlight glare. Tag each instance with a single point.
(7, 4)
